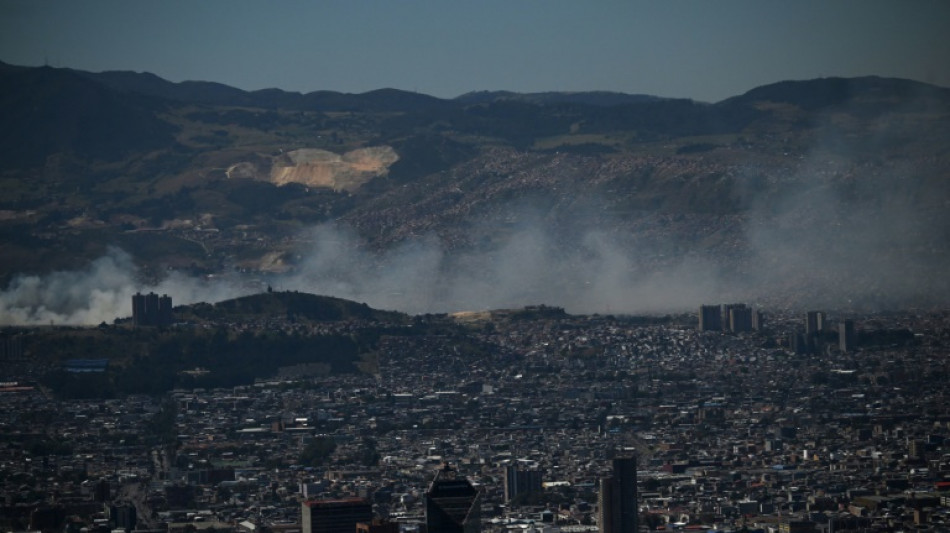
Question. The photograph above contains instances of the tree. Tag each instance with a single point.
(317, 451)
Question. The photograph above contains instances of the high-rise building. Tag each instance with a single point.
(138, 309)
(814, 323)
(151, 309)
(710, 318)
(739, 317)
(521, 482)
(796, 343)
(334, 515)
(846, 336)
(164, 317)
(617, 502)
(452, 504)
(122, 517)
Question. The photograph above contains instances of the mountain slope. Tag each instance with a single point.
(778, 180)
(813, 95)
(48, 111)
(210, 93)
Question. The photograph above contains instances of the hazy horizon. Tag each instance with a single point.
(680, 49)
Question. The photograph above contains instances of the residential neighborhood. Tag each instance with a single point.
(730, 431)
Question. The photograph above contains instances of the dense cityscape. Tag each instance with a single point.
(474, 267)
(729, 419)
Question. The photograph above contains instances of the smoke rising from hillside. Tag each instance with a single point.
(853, 227)
(819, 244)
(839, 256)
(842, 227)
(100, 292)
(531, 266)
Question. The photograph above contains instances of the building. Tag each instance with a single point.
(736, 318)
(710, 318)
(521, 482)
(814, 323)
(377, 526)
(796, 526)
(739, 317)
(122, 516)
(846, 336)
(797, 344)
(452, 504)
(138, 309)
(334, 515)
(617, 501)
(151, 309)
(164, 316)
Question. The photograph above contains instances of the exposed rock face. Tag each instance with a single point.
(321, 168)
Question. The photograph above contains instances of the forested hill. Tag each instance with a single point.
(234, 342)
(293, 305)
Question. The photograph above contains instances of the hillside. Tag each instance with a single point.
(233, 342)
(294, 305)
(572, 199)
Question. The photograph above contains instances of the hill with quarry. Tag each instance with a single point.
(817, 191)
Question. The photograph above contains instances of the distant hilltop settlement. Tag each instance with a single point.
(740, 318)
(154, 310)
(151, 309)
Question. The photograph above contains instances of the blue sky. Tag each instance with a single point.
(705, 50)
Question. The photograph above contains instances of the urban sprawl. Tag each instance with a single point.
(730, 420)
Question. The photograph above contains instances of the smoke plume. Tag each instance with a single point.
(100, 292)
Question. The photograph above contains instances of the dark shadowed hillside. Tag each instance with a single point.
(298, 305)
(50, 111)
(799, 192)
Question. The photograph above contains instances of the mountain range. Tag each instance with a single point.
(830, 192)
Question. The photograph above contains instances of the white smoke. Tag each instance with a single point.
(100, 292)
(838, 226)
(590, 272)
(530, 266)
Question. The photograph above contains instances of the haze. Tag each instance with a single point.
(701, 50)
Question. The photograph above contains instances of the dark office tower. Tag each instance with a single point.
(151, 309)
(617, 501)
(334, 516)
(521, 482)
(814, 320)
(740, 318)
(846, 337)
(453, 505)
(122, 517)
(164, 311)
(710, 318)
(796, 342)
(101, 491)
(138, 309)
(758, 321)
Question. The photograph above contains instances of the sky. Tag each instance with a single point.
(704, 50)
